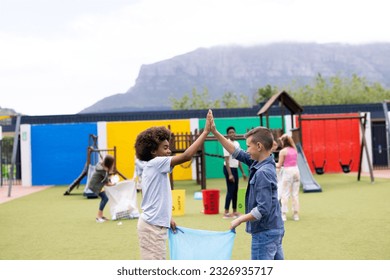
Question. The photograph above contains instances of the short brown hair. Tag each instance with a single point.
(109, 161)
(263, 135)
(149, 140)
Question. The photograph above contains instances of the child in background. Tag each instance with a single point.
(263, 216)
(230, 170)
(99, 179)
(279, 170)
(290, 179)
(152, 147)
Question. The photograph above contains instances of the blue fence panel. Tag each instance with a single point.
(59, 152)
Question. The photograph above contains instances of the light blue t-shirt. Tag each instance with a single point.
(156, 192)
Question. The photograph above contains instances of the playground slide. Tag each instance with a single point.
(308, 182)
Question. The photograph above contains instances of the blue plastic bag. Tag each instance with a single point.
(194, 244)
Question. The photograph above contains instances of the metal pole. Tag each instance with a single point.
(1, 163)
(362, 126)
(387, 120)
(300, 129)
(14, 151)
(364, 144)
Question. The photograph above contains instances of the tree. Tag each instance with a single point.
(196, 101)
(232, 100)
(265, 93)
(339, 90)
(322, 91)
(203, 101)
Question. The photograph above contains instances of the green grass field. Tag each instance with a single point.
(349, 220)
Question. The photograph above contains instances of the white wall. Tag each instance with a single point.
(25, 150)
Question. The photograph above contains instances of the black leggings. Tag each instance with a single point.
(232, 188)
(104, 200)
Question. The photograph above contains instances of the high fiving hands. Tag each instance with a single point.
(210, 125)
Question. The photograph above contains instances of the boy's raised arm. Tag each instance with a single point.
(228, 145)
(191, 150)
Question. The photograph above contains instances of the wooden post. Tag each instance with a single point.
(364, 145)
(203, 168)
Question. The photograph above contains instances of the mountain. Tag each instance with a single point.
(241, 69)
(7, 112)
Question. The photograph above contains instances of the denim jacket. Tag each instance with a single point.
(261, 198)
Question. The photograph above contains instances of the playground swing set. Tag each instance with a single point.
(346, 167)
(307, 180)
(319, 169)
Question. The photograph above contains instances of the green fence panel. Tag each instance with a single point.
(213, 149)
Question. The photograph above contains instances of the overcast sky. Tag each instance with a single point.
(61, 56)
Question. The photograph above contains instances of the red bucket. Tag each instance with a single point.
(210, 201)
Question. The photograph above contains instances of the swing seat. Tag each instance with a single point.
(319, 169)
(346, 167)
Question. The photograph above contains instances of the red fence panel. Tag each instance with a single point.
(334, 139)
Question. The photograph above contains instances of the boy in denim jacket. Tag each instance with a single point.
(263, 216)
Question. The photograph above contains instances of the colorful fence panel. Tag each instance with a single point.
(332, 140)
(213, 149)
(59, 152)
(123, 136)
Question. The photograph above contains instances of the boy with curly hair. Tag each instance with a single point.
(152, 147)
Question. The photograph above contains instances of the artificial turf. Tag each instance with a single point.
(348, 220)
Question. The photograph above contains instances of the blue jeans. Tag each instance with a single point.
(104, 200)
(267, 245)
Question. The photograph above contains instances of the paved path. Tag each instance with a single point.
(379, 173)
(18, 191)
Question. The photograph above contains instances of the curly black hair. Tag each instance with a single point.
(229, 128)
(149, 140)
